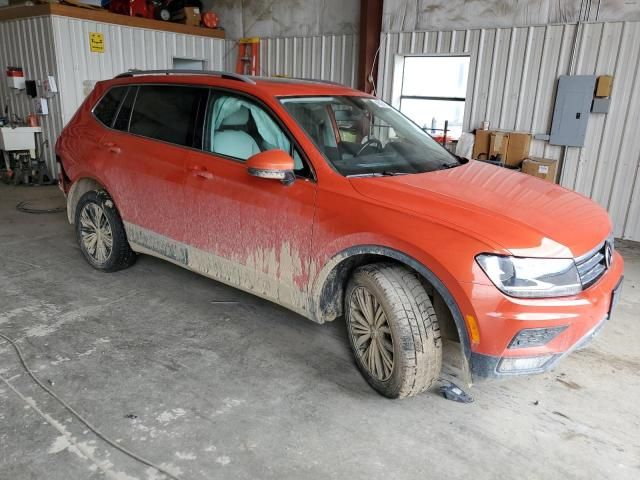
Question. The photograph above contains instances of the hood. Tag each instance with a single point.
(523, 215)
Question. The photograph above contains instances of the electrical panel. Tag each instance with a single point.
(571, 111)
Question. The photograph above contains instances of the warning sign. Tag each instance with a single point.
(96, 42)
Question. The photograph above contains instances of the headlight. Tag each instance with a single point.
(531, 277)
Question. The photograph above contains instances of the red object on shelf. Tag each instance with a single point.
(132, 8)
(210, 19)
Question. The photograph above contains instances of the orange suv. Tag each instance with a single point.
(331, 203)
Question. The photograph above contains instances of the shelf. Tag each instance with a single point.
(12, 13)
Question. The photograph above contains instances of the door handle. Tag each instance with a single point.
(112, 147)
(203, 174)
(199, 171)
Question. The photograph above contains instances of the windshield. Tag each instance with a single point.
(362, 136)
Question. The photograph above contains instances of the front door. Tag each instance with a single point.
(248, 232)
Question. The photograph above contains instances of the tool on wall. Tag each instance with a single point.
(248, 62)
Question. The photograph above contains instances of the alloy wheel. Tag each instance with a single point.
(96, 233)
(370, 333)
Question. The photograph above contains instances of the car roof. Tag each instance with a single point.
(298, 86)
(274, 86)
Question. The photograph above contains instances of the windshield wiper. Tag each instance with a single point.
(384, 173)
(368, 174)
(446, 166)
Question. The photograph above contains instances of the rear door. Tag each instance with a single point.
(149, 145)
(249, 232)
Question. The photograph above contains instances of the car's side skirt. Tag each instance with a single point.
(224, 270)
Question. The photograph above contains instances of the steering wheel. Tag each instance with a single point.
(368, 143)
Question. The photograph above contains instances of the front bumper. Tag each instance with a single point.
(500, 319)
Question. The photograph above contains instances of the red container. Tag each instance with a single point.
(210, 19)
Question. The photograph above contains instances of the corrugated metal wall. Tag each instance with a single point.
(321, 57)
(125, 48)
(28, 43)
(59, 46)
(512, 81)
(410, 15)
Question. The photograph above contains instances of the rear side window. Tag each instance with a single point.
(124, 114)
(166, 112)
(107, 107)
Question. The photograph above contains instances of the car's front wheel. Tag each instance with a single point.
(393, 330)
(100, 233)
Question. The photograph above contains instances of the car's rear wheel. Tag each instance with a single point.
(393, 330)
(100, 233)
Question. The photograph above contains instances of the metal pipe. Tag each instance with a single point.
(444, 137)
(574, 47)
(577, 33)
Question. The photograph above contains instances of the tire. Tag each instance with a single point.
(404, 325)
(162, 13)
(97, 207)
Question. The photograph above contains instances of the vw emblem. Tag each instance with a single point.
(608, 253)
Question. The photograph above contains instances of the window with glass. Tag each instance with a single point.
(239, 128)
(434, 91)
(107, 107)
(362, 136)
(166, 112)
(124, 112)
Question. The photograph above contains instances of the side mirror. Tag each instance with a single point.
(273, 164)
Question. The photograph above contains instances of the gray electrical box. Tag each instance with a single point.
(571, 112)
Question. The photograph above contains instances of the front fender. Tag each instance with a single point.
(329, 283)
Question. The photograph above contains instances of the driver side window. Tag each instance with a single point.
(239, 128)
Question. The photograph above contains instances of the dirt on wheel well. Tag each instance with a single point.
(331, 303)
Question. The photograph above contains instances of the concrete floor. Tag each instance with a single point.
(225, 385)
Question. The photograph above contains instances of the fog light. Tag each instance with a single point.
(523, 364)
(535, 337)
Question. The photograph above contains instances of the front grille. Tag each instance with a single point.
(594, 264)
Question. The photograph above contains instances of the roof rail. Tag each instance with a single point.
(316, 80)
(226, 75)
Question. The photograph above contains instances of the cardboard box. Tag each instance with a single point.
(545, 168)
(604, 84)
(498, 145)
(512, 146)
(192, 16)
(517, 149)
(481, 144)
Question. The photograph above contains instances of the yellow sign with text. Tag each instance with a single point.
(96, 42)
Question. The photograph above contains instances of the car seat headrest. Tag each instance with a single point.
(236, 119)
